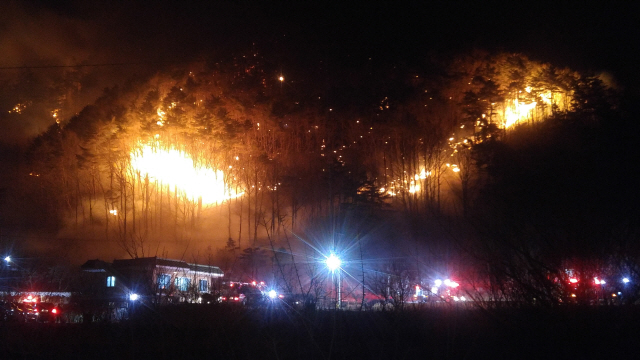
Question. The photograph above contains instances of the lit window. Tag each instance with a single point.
(164, 280)
(111, 281)
(203, 286)
(182, 284)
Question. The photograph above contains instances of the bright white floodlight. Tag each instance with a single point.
(272, 294)
(625, 280)
(133, 297)
(8, 259)
(333, 262)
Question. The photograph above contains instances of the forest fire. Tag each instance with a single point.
(486, 118)
(176, 169)
(460, 174)
(145, 175)
(522, 109)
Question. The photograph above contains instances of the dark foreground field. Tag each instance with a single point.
(196, 332)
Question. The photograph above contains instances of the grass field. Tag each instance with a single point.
(198, 332)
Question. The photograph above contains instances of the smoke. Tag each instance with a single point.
(56, 61)
(102, 234)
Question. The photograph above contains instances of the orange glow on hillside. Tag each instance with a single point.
(176, 169)
(519, 110)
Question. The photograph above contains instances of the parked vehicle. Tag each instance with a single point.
(29, 311)
(9, 311)
(22, 312)
(248, 294)
(48, 312)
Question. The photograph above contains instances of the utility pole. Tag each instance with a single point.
(362, 268)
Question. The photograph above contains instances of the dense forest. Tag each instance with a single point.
(505, 171)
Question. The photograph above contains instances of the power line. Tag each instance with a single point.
(84, 65)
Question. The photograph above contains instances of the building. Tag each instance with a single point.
(151, 280)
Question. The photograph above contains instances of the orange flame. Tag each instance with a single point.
(177, 169)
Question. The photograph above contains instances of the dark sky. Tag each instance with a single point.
(143, 37)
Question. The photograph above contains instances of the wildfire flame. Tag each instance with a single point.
(518, 111)
(177, 170)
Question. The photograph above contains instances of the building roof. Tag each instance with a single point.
(95, 265)
(206, 269)
(148, 262)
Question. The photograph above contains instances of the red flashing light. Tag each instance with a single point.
(573, 280)
(253, 283)
(54, 311)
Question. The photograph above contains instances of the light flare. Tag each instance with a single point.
(333, 262)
